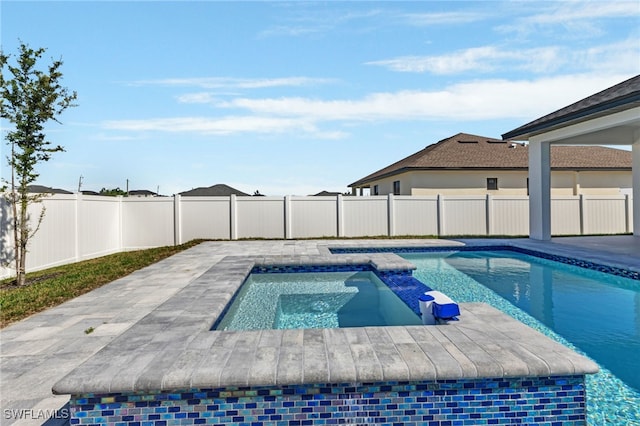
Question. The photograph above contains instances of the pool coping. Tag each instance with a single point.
(173, 348)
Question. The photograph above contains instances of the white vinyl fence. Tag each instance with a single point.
(77, 227)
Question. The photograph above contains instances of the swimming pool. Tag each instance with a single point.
(315, 300)
(596, 313)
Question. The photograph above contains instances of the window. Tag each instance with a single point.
(375, 189)
(396, 187)
(492, 183)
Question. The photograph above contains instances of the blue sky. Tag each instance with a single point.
(299, 97)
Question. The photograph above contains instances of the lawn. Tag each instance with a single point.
(51, 287)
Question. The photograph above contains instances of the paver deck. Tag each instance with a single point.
(39, 351)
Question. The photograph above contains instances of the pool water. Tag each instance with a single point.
(597, 314)
(315, 300)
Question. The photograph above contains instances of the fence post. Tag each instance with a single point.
(391, 229)
(340, 210)
(488, 213)
(120, 224)
(627, 214)
(287, 217)
(177, 220)
(77, 226)
(233, 216)
(440, 214)
(581, 212)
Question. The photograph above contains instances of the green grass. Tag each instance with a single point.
(54, 286)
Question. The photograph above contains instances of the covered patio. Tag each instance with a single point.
(610, 117)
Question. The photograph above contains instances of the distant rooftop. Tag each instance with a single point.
(219, 190)
(40, 189)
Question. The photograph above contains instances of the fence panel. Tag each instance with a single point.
(6, 241)
(79, 227)
(313, 217)
(509, 215)
(463, 215)
(260, 217)
(565, 215)
(602, 214)
(365, 216)
(55, 242)
(416, 215)
(98, 226)
(205, 217)
(147, 222)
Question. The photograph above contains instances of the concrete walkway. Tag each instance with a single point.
(37, 352)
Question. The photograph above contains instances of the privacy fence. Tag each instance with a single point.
(77, 227)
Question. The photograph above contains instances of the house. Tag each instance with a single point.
(142, 193)
(219, 190)
(466, 164)
(326, 194)
(612, 115)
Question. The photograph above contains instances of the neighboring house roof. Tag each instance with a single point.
(326, 194)
(219, 190)
(46, 190)
(472, 152)
(142, 193)
(87, 192)
(617, 98)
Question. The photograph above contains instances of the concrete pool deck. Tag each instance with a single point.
(39, 351)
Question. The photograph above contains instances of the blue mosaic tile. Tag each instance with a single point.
(288, 269)
(455, 402)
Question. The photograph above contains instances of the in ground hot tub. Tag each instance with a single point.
(315, 300)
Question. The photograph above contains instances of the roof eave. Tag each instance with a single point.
(623, 103)
(366, 181)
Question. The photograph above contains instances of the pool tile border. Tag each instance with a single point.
(613, 270)
(551, 401)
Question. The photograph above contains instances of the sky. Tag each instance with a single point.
(293, 98)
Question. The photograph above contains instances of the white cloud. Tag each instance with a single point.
(619, 57)
(303, 21)
(476, 59)
(225, 125)
(571, 11)
(326, 119)
(444, 18)
(577, 18)
(197, 98)
(234, 83)
(475, 100)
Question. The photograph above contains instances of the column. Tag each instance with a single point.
(635, 148)
(539, 189)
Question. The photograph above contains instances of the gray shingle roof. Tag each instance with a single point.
(465, 151)
(620, 97)
(219, 190)
(40, 189)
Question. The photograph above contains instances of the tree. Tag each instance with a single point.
(113, 192)
(30, 99)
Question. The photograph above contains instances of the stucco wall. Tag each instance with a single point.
(456, 182)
